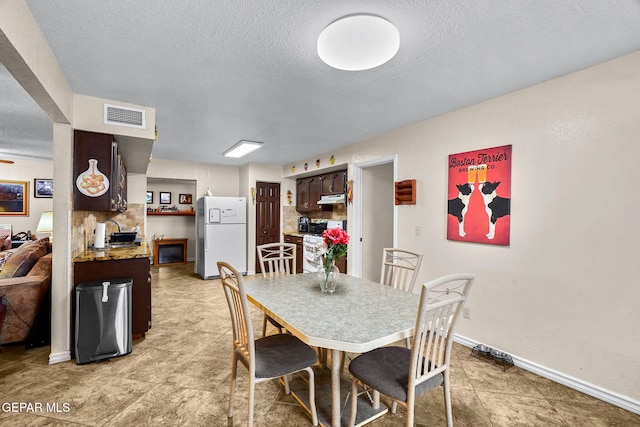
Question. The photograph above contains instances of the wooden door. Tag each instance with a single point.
(267, 214)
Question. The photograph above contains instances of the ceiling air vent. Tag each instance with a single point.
(123, 116)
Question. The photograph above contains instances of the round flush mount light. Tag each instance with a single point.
(358, 42)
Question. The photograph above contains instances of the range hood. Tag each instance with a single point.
(334, 199)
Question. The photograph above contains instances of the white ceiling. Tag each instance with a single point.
(225, 70)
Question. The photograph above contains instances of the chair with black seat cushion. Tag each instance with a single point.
(404, 374)
(265, 358)
(400, 268)
(276, 259)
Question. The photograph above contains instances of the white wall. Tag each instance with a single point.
(565, 294)
(223, 180)
(27, 170)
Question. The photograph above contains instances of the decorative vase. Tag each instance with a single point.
(328, 277)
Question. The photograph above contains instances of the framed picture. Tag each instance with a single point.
(185, 199)
(14, 198)
(165, 197)
(42, 187)
(149, 197)
(479, 196)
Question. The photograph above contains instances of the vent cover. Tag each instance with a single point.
(124, 116)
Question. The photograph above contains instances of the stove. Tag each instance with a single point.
(311, 257)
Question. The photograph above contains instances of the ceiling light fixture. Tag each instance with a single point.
(242, 148)
(358, 42)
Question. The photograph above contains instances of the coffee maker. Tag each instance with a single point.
(303, 224)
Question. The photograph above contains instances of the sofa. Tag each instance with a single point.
(25, 298)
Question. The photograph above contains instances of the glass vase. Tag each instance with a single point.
(328, 278)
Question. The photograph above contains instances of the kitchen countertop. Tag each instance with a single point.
(294, 233)
(110, 254)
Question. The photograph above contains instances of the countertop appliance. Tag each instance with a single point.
(303, 224)
(311, 257)
(317, 227)
(222, 234)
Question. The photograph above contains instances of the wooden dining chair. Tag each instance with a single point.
(403, 374)
(266, 358)
(400, 268)
(276, 259)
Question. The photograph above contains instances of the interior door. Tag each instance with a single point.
(377, 229)
(267, 214)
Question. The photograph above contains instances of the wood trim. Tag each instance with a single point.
(185, 213)
(157, 243)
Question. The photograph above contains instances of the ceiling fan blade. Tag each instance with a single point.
(9, 162)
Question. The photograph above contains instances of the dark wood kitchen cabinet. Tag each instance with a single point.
(137, 269)
(99, 173)
(308, 193)
(299, 250)
(333, 183)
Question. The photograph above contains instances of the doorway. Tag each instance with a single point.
(373, 191)
(267, 215)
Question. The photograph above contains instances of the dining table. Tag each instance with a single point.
(359, 316)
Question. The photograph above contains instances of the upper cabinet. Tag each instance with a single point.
(312, 188)
(308, 194)
(99, 173)
(333, 183)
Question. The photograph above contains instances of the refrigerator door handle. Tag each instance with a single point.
(215, 215)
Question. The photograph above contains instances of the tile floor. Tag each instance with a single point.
(178, 376)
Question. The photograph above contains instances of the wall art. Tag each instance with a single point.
(479, 196)
(14, 198)
(42, 187)
(165, 197)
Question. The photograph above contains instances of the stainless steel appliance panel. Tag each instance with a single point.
(103, 320)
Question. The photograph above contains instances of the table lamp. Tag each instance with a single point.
(46, 224)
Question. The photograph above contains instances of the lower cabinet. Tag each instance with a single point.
(299, 253)
(341, 263)
(137, 269)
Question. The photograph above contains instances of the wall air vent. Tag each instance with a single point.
(124, 116)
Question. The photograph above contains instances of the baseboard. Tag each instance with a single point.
(59, 357)
(613, 398)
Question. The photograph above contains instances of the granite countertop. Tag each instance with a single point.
(294, 233)
(109, 254)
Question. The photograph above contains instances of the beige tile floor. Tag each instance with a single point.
(178, 376)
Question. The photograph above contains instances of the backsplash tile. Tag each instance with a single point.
(84, 225)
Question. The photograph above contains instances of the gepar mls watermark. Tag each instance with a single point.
(35, 407)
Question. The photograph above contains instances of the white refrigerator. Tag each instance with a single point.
(222, 234)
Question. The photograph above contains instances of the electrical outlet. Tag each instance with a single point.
(418, 230)
(466, 313)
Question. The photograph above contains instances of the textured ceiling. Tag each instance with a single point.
(225, 70)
